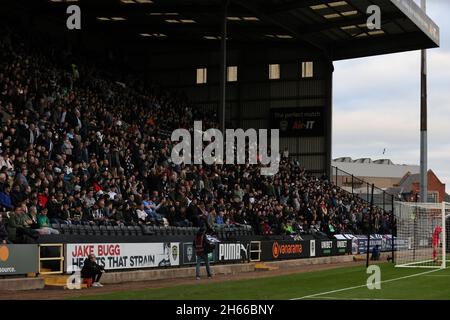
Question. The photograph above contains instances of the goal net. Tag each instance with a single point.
(422, 229)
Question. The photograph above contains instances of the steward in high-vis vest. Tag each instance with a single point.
(202, 248)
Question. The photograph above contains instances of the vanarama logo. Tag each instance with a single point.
(4, 253)
(286, 249)
(275, 250)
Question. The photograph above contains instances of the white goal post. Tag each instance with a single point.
(422, 233)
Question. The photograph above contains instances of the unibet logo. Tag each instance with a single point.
(4, 253)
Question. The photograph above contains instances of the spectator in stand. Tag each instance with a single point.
(44, 223)
(3, 232)
(19, 227)
(92, 138)
(141, 214)
(219, 219)
(5, 198)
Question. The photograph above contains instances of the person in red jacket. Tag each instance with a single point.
(201, 250)
(436, 234)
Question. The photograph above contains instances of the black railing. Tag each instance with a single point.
(362, 189)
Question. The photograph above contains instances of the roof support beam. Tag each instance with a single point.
(295, 4)
(260, 12)
(361, 19)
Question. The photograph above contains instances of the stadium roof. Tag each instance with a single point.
(338, 29)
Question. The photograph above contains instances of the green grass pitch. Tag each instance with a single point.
(336, 284)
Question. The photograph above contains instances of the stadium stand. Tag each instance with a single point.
(92, 152)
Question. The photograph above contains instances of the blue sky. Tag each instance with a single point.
(377, 104)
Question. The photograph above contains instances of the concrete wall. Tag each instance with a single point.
(179, 273)
(17, 284)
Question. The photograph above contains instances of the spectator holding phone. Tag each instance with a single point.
(91, 269)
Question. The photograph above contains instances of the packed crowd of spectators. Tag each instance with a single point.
(76, 148)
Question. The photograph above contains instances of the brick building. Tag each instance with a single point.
(409, 188)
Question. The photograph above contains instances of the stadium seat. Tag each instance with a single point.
(103, 230)
(96, 230)
(162, 231)
(88, 230)
(117, 231)
(158, 230)
(111, 231)
(81, 230)
(147, 230)
(131, 230)
(56, 226)
(124, 231)
(138, 230)
(73, 229)
(65, 229)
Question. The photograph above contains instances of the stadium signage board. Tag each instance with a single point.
(334, 247)
(232, 251)
(188, 253)
(359, 244)
(284, 249)
(291, 249)
(118, 256)
(298, 122)
(18, 259)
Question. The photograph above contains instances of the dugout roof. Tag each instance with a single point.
(335, 28)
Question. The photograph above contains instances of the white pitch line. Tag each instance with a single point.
(336, 298)
(364, 285)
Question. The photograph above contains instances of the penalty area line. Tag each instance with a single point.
(336, 298)
(363, 285)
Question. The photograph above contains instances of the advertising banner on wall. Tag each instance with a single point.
(298, 122)
(362, 243)
(18, 259)
(117, 256)
(359, 244)
(333, 247)
(232, 251)
(188, 255)
(290, 249)
(284, 249)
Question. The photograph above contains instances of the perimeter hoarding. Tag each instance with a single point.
(18, 259)
(117, 256)
(224, 252)
(291, 249)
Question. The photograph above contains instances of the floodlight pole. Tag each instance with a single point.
(223, 68)
(423, 123)
(369, 230)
